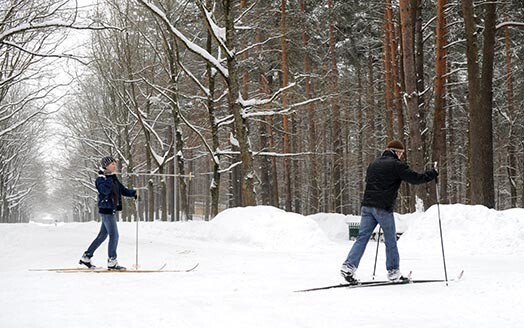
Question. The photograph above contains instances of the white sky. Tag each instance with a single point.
(53, 147)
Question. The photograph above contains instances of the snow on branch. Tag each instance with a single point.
(288, 110)
(191, 126)
(194, 79)
(193, 47)
(274, 154)
(160, 160)
(219, 33)
(246, 11)
(259, 102)
(509, 24)
(252, 46)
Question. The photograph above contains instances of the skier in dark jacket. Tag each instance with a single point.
(383, 179)
(110, 192)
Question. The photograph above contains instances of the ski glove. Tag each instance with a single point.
(433, 174)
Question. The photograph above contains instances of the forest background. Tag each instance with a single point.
(216, 104)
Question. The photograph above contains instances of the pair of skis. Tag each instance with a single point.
(104, 270)
(363, 284)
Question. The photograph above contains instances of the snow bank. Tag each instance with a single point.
(467, 230)
(334, 225)
(268, 228)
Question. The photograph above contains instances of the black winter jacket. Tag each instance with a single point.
(383, 179)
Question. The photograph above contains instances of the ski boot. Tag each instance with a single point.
(112, 264)
(349, 274)
(86, 260)
(397, 277)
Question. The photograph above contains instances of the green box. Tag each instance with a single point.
(353, 227)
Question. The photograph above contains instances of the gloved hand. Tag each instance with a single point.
(433, 174)
(136, 196)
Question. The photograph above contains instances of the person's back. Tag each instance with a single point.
(383, 180)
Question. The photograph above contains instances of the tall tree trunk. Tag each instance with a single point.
(214, 187)
(512, 139)
(419, 62)
(337, 142)
(360, 142)
(285, 118)
(439, 117)
(411, 94)
(480, 103)
(150, 207)
(170, 177)
(265, 161)
(275, 198)
(313, 195)
(389, 68)
(240, 125)
(163, 194)
(398, 79)
(264, 129)
(179, 145)
(371, 144)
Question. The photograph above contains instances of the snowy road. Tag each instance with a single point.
(240, 285)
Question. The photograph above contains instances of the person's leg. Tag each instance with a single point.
(112, 230)
(367, 225)
(102, 235)
(387, 222)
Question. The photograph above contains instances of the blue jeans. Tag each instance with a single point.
(371, 216)
(110, 228)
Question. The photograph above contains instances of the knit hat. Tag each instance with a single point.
(395, 144)
(104, 162)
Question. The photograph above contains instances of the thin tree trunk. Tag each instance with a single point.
(411, 93)
(360, 144)
(371, 145)
(419, 62)
(313, 199)
(439, 117)
(388, 68)
(285, 119)
(179, 146)
(400, 84)
(337, 142)
(214, 187)
(264, 132)
(171, 181)
(512, 140)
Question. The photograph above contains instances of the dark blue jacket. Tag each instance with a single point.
(110, 192)
(383, 180)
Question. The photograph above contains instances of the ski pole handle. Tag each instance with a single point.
(435, 165)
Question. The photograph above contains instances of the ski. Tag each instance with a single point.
(69, 269)
(141, 270)
(104, 270)
(363, 284)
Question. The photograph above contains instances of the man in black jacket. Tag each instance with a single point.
(383, 180)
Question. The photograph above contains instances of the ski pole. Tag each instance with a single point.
(376, 253)
(136, 239)
(440, 227)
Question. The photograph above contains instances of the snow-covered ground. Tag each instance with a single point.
(251, 261)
